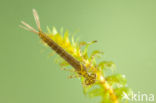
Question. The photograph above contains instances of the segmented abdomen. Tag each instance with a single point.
(79, 67)
(60, 51)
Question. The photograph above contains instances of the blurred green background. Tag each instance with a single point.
(125, 30)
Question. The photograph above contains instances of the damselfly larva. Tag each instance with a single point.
(109, 87)
(79, 67)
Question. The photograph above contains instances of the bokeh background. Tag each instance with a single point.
(125, 30)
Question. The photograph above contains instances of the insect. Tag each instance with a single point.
(110, 87)
(79, 67)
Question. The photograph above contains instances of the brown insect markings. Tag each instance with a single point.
(79, 67)
(60, 51)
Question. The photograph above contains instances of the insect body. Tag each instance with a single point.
(110, 87)
(78, 66)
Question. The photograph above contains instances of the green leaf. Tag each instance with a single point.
(49, 31)
(117, 79)
(54, 31)
(105, 64)
(96, 53)
(120, 91)
(66, 37)
(95, 92)
(61, 30)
